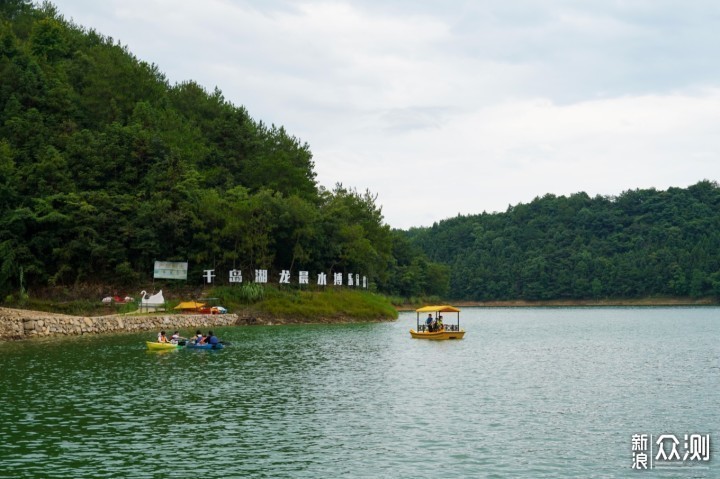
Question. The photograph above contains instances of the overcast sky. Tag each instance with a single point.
(453, 107)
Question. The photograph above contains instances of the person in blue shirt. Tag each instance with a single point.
(212, 339)
(428, 322)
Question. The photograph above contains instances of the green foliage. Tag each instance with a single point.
(313, 305)
(247, 293)
(641, 243)
(327, 305)
(105, 168)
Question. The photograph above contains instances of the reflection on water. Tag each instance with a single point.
(527, 393)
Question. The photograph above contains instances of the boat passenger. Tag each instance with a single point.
(440, 326)
(162, 338)
(212, 339)
(199, 338)
(428, 322)
(175, 338)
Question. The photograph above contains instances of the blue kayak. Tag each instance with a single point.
(204, 346)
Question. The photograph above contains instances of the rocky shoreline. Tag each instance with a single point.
(19, 324)
(24, 324)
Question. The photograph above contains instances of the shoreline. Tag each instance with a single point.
(600, 302)
(577, 303)
(23, 324)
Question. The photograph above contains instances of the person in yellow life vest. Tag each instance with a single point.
(162, 338)
(440, 326)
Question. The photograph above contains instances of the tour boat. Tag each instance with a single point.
(446, 331)
(155, 346)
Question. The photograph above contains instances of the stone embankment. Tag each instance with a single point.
(22, 324)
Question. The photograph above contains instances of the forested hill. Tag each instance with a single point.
(641, 243)
(106, 167)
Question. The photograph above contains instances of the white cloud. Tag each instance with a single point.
(456, 107)
(512, 152)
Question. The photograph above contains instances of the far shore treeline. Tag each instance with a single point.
(642, 243)
(105, 167)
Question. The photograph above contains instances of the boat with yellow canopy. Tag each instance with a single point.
(435, 326)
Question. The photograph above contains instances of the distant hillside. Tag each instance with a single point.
(105, 167)
(639, 244)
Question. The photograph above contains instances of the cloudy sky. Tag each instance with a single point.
(460, 106)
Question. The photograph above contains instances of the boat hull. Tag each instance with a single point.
(155, 346)
(437, 335)
(204, 346)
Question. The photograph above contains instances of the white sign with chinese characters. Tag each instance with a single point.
(170, 270)
(235, 276)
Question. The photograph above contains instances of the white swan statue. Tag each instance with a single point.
(154, 300)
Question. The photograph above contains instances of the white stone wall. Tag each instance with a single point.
(21, 324)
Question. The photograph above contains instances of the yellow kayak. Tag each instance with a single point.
(155, 346)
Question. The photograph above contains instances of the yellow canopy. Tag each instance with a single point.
(189, 305)
(440, 309)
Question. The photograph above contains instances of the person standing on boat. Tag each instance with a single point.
(428, 322)
(440, 323)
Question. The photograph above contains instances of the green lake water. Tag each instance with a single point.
(529, 392)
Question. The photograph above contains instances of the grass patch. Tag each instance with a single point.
(327, 304)
(332, 304)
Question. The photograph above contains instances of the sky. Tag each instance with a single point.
(454, 107)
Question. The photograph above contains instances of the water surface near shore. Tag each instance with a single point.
(529, 392)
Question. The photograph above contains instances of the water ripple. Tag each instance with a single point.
(527, 393)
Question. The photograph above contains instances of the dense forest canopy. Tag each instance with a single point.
(105, 167)
(639, 244)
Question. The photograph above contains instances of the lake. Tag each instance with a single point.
(529, 392)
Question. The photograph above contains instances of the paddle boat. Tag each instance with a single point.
(150, 304)
(155, 346)
(444, 330)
